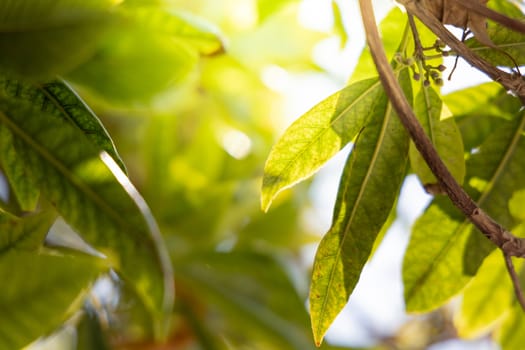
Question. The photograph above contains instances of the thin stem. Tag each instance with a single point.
(515, 280)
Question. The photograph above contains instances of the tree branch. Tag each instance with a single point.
(502, 238)
(510, 82)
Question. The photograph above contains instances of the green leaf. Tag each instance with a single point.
(266, 8)
(365, 67)
(134, 65)
(444, 251)
(24, 189)
(485, 299)
(36, 300)
(58, 98)
(88, 193)
(369, 187)
(510, 44)
(250, 291)
(317, 136)
(39, 40)
(511, 335)
(181, 27)
(339, 26)
(27, 233)
(444, 134)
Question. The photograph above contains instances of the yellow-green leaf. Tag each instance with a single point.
(486, 298)
(317, 136)
(444, 134)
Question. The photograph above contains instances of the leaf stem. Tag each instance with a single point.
(508, 243)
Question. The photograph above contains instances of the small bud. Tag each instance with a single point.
(441, 68)
(439, 82)
(409, 61)
(398, 57)
(416, 76)
(426, 83)
(434, 75)
(445, 53)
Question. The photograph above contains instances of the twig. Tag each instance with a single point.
(515, 280)
(486, 12)
(502, 238)
(509, 81)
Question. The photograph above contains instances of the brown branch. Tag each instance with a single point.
(510, 82)
(502, 238)
(515, 280)
(486, 12)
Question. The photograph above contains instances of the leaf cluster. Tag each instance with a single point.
(481, 142)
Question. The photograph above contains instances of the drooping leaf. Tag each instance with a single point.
(251, 291)
(369, 186)
(443, 133)
(317, 136)
(58, 98)
(38, 296)
(39, 40)
(88, 194)
(444, 251)
(365, 67)
(485, 299)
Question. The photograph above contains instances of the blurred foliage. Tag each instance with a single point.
(101, 100)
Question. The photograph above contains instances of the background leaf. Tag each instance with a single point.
(40, 40)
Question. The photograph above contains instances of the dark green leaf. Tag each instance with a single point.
(369, 186)
(27, 233)
(39, 40)
(71, 174)
(252, 292)
(317, 136)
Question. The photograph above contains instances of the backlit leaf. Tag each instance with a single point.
(88, 194)
(443, 133)
(252, 291)
(511, 335)
(444, 251)
(39, 295)
(486, 298)
(27, 233)
(317, 136)
(369, 186)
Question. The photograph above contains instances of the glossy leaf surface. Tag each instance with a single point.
(368, 189)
